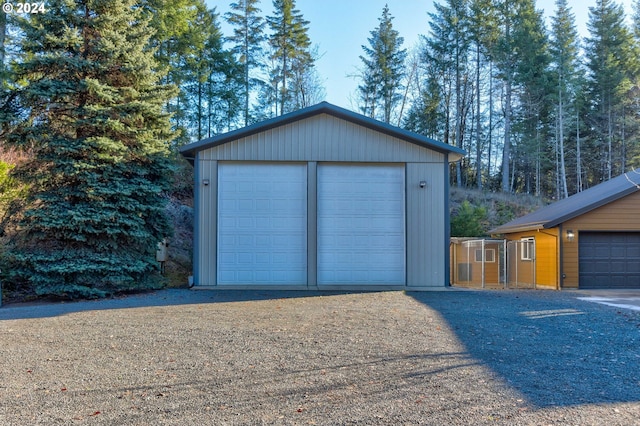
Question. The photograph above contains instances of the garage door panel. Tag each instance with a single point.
(609, 259)
(633, 267)
(618, 252)
(262, 224)
(361, 230)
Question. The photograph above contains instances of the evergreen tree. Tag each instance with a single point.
(506, 61)
(632, 101)
(95, 210)
(248, 36)
(521, 56)
(305, 86)
(533, 82)
(469, 221)
(212, 79)
(176, 39)
(609, 59)
(9, 108)
(3, 37)
(383, 72)
(449, 46)
(425, 116)
(483, 27)
(291, 51)
(564, 50)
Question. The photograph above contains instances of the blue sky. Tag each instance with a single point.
(341, 27)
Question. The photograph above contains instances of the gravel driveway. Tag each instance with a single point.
(390, 358)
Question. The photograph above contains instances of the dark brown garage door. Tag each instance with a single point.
(609, 259)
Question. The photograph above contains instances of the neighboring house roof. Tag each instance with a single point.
(324, 108)
(578, 204)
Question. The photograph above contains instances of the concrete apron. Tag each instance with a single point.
(622, 298)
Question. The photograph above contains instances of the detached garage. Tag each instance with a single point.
(322, 198)
(589, 240)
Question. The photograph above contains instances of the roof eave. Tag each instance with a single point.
(579, 212)
(454, 153)
(502, 230)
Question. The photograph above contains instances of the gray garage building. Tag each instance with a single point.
(321, 198)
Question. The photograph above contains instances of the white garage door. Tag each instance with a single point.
(262, 224)
(361, 224)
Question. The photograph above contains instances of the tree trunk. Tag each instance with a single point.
(490, 129)
(578, 155)
(478, 123)
(200, 114)
(3, 35)
(458, 118)
(563, 170)
(609, 142)
(506, 149)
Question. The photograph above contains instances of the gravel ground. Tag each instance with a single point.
(390, 358)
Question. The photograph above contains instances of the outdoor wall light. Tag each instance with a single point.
(205, 182)
(423, 183)
(570, 235)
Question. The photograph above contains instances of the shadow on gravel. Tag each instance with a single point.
(167, 297)
(554, 349)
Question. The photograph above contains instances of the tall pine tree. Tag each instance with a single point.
(384, 61)
(564, 51)
(609, 58)
(291, 51)
(248, 36)
(95, 210)
(532, 81)
(449, 48)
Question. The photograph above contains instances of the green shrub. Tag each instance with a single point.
(469, 221)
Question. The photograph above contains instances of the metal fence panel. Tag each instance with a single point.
(521, 264)
(478, 263)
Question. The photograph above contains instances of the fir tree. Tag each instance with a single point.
(248, 36)
(610, 60)
(383, 69)
(290, 43)
(503, 54)
(483, 26)
(449, 46)
(532, 80)
(212, 79)
(95, 210)
(564, 51)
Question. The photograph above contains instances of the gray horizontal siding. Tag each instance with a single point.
(321, 138)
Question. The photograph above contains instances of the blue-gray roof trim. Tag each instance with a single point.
(191, 149)
(578, 204)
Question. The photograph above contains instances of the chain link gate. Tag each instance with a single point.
(521, 263)
(489, 263)
(478, 263)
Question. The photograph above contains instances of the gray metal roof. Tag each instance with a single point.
(191, 149)
(574, 206)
